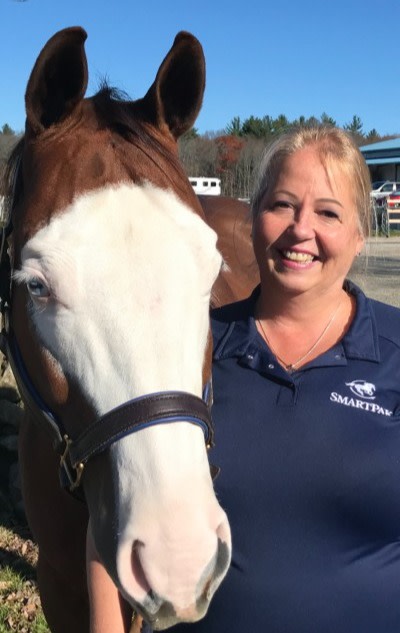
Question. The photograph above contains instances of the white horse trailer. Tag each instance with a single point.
(206, 186)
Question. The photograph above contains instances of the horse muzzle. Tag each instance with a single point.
(157, 525)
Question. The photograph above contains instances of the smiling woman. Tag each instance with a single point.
(307, 410)
(307, 234)
(308, 224)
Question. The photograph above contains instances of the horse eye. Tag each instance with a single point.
(37, 288)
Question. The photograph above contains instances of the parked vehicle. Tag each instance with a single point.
(206, 186)
(382, 189)
(390, 215)
(393, 200)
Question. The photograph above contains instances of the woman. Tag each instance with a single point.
(307, 410)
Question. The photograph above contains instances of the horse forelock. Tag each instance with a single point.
(129, 121)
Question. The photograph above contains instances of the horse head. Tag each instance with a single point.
(113, 269)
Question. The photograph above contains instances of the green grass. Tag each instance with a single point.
(20, 609)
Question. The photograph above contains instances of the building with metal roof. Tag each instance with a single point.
(383, 159)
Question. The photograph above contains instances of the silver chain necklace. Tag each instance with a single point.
(290, 367)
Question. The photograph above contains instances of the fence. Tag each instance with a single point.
(385, 216)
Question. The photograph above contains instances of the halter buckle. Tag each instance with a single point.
(73, 473)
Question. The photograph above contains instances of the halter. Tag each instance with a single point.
(132, 416)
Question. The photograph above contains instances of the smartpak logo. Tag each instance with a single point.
(361, 389)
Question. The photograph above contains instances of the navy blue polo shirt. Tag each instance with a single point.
(310, 479)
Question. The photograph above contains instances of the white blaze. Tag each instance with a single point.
(129, 272)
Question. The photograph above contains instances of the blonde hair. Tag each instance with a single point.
(335, 147)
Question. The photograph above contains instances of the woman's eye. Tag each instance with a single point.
(37, 288)
(281, 204)
(329, 214)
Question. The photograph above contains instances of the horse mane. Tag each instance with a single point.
(12, 183)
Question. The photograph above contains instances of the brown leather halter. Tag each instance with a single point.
(130, 417)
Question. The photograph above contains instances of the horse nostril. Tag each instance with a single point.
(150, 601)
(137, 569)
(209, 589)
(224, 549)
(224, 534)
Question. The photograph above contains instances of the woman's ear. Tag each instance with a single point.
(360, 243)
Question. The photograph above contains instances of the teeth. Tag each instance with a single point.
(298, 257)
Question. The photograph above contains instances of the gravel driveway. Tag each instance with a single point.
(377, 271)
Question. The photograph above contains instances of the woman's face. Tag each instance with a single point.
(307, 233)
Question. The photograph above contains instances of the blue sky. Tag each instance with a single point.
(263, 57)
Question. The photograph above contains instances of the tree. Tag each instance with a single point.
(280, 124)
(8, 139)
(373, 136)
(257, 127)
(198, 155)
(234, 154)
(190, 134)
(253, 126)
(327, 120)
(234, 128)
(7, 130)
(312, 121)
(246, 168)
(355, 126)
(228, 152)
(300, 122)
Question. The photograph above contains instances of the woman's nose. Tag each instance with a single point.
(303, 225)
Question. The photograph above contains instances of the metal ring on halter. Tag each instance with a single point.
(133, 416)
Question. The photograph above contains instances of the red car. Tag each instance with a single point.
(393, 200)
(390, 217)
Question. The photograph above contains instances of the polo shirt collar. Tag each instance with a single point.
(360, 342)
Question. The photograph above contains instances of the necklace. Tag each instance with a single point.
(290, 367)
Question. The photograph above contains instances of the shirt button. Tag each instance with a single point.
(338, 356)
(250, 356)
(271, 366)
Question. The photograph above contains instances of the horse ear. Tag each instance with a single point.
(58, 80)
(176, 95)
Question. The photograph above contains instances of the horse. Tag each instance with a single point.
(105, 292)
(230, 219)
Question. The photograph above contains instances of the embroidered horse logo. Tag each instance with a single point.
(362, 388)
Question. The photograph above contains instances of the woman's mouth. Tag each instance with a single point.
(297, 258)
